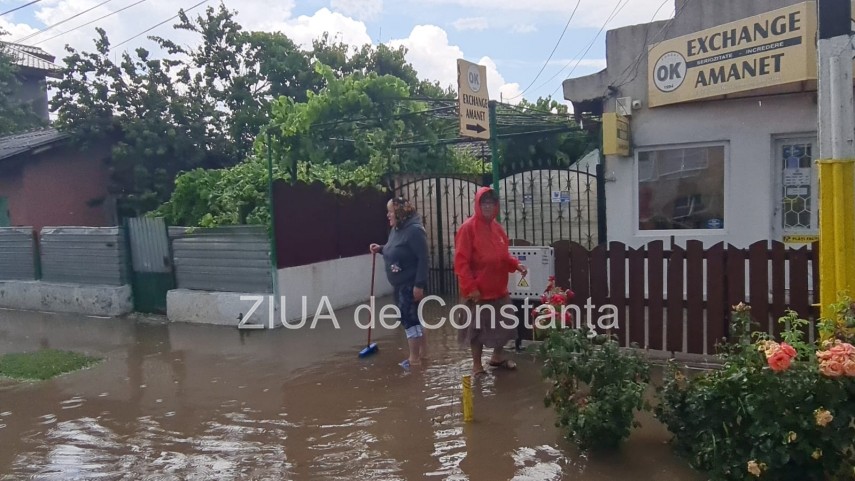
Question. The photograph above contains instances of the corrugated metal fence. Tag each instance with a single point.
(17, 254)
(84, 255)
(228, 259)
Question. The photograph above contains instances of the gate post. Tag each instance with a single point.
(601, 202)
(440, 234)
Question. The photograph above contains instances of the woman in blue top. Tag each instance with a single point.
(406, 258)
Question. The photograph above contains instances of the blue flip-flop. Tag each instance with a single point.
(405, 364)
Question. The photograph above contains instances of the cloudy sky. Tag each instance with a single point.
(513, 38)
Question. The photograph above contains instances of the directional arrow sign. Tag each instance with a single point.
(473, 101)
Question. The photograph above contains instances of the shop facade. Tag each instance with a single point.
(710, 124)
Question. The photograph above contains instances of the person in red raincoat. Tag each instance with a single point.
(483, 264)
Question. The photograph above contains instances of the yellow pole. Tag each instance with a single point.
(467, 398)
(836, 231)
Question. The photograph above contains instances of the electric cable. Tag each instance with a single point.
(159, 24)
(90, 23)
(20, 7)
(24, 39)
(567, 25)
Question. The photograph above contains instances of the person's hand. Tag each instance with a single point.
(474, 295)
(523, 270)
(374, 248)
(418, 294)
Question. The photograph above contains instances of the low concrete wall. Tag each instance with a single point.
(345, 282)
(89, 300)
(220, 308)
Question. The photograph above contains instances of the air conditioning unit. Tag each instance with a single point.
(540, 261)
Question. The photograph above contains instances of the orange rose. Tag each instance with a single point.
(823, 417)
(780, 361)
(832, 368)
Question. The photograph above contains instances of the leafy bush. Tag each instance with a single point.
(596, 387)
(776, 410)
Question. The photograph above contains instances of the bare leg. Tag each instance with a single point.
(423, 347)
(497, 359)
(414, 351)
(477, 366)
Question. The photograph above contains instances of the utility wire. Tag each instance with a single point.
(611, 17)
(89, 23)
(551, 54)
(18, 8)
(24, 39)
(159, 24)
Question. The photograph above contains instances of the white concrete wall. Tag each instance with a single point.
(345, 282)
(749, 128)
(221, 308)
(109, 301)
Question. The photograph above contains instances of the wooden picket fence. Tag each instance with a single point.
(680, 300)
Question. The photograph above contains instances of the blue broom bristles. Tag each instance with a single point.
(368, 350)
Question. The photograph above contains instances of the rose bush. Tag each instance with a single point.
(595, 387)
(778, 409)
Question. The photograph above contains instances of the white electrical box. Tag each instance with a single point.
(540, 262)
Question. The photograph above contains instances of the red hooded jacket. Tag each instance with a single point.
(482, 260)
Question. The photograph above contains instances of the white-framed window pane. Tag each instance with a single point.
(681, 188)
(797, 180)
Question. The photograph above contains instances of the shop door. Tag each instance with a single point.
(797, 219)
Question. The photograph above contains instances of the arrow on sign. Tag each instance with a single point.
(477, 128)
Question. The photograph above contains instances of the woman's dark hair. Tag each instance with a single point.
(490, 194)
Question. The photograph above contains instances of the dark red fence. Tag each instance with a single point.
(313, 224)
(680, 299)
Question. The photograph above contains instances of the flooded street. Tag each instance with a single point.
(175, 401)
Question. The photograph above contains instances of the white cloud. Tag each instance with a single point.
(304, 29)
(524, 28)
(431, 55)
(359, 9)
(434, 58)
(496, 85)
(474, 23)
(591, 13)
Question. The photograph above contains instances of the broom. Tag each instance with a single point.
(371, 347)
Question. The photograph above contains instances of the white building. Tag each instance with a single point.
(721, 104)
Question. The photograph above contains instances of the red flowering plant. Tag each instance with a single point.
(554, 310)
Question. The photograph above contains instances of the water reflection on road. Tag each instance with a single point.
(200, 402)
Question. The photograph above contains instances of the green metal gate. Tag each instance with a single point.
(152, 274)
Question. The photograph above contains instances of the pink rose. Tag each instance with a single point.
(849, 368)
(788, 350)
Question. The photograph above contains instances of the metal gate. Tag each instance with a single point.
(152, 274)
(538, 207)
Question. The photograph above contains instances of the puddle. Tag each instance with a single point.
(201, 402)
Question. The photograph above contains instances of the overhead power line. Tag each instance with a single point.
(90, 23)
(24, 39)
(557, 43)
(159, 24)
(20, 7)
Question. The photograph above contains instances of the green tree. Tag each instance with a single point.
(15, 116)
(194, 108)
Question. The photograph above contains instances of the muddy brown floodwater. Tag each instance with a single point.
(191, 402)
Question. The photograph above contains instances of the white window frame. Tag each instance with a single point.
(682, 232)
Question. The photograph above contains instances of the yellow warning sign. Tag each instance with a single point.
(523, 283)
(800, 239)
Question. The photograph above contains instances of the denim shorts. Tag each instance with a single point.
(408, 306)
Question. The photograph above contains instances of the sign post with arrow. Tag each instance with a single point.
(476, 111)
(473, 100)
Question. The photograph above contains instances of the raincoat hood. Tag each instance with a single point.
(482, 191)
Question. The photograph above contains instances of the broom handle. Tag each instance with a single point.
(373, 267)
